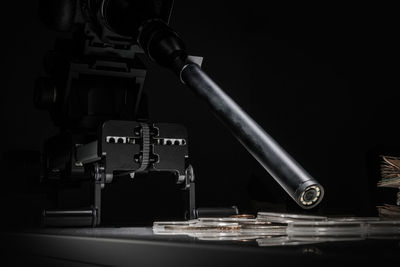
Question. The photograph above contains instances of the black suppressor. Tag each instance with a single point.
(164, 46)
(303, 188)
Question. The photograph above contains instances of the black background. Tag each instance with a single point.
(318, 78)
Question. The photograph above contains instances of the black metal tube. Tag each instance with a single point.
(300, 185)
(164, 46)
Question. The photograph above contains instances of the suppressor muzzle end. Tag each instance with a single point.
(308, 195)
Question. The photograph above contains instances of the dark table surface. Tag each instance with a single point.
(139, 246)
